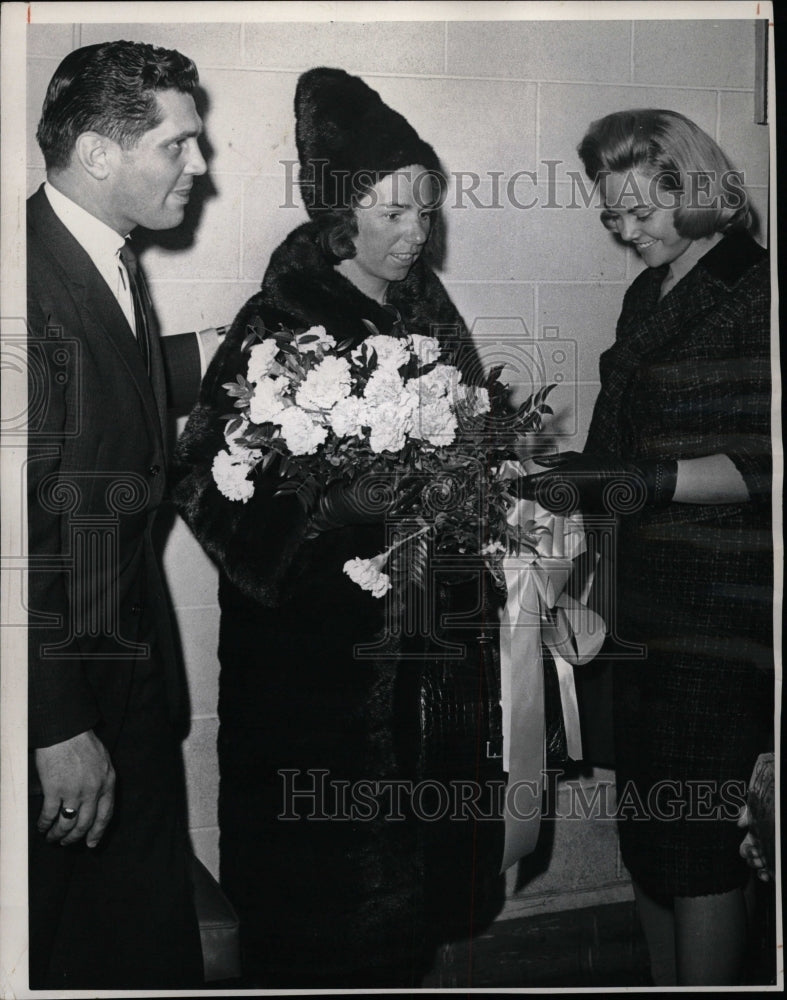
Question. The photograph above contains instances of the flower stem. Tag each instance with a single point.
(409, 538)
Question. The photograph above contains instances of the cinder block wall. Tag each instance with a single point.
(493, 99)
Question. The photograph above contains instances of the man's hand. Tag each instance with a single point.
(76, 774)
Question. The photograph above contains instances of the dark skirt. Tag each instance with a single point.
(693, 712)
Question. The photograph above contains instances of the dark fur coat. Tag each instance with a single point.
(362, 899)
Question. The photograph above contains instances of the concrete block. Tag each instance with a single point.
(745, 143)
(694, 53)
(358, 47)
(249, 120)
(533, 242)
(183, 305)
(205, 842)
(566, 111)
(210, 43)
(532, 50)
(50, 40)
(207, 244)
(198, 629)
(269, 214)
(202, 772)
(39, 73)
(475, 126)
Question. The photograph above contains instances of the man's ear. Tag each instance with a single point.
(95, 153)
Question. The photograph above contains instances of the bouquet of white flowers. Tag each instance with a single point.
(392, 414)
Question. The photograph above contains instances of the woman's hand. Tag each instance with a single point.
(598, 483)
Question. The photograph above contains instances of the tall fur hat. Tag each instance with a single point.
(348, 139)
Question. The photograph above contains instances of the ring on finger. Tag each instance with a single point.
(67, 813)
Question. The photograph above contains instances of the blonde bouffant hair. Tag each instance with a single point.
(685, 163)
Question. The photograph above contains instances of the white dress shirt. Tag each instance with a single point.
(100, 242)
(103, 245)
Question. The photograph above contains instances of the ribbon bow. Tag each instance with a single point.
(538, 610)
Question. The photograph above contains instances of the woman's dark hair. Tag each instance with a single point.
(109, 88)
(339, 227)
(336, 233)
(684, 161)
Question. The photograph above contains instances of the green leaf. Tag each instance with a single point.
(494, 374)
(525, 407)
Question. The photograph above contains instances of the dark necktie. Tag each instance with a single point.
(139, 296)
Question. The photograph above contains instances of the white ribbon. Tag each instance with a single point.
(536, 581)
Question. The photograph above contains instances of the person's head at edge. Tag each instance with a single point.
(119, 130)
(664, 181)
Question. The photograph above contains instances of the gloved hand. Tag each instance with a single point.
(599, 483)
(367, 500)
(341, 504)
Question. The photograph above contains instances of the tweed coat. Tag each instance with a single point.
(688, 376)
(349, 901)
(102, 652)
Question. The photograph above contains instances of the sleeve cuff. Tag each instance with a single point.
(208, 344)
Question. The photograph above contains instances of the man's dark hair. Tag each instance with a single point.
(109, 88)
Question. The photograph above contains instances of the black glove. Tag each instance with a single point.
(349, 503)
(599, 483)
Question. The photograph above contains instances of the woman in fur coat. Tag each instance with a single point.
(336, 881)
(679, 450)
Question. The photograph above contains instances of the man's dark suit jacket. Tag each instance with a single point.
(96, 475)
(102, 654)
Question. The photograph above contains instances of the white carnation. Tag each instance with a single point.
(482, 404)
(325, 384)
(426, 349)
(261, 359)
(367, 574)
(324, 340)
(229, 473)
(392, 352)
(348, 417)
(442, 380)
(476, 397)
(267, 402)
(302, 435)
(385, 386)
(388, 424)
(435, 422)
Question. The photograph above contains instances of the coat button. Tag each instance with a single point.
(136, 609)
(154, 470)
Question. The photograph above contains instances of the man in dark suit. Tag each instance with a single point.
(110, 895)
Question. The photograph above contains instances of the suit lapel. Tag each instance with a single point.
(100, 306)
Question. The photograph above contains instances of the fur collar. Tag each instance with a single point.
(732, 257)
